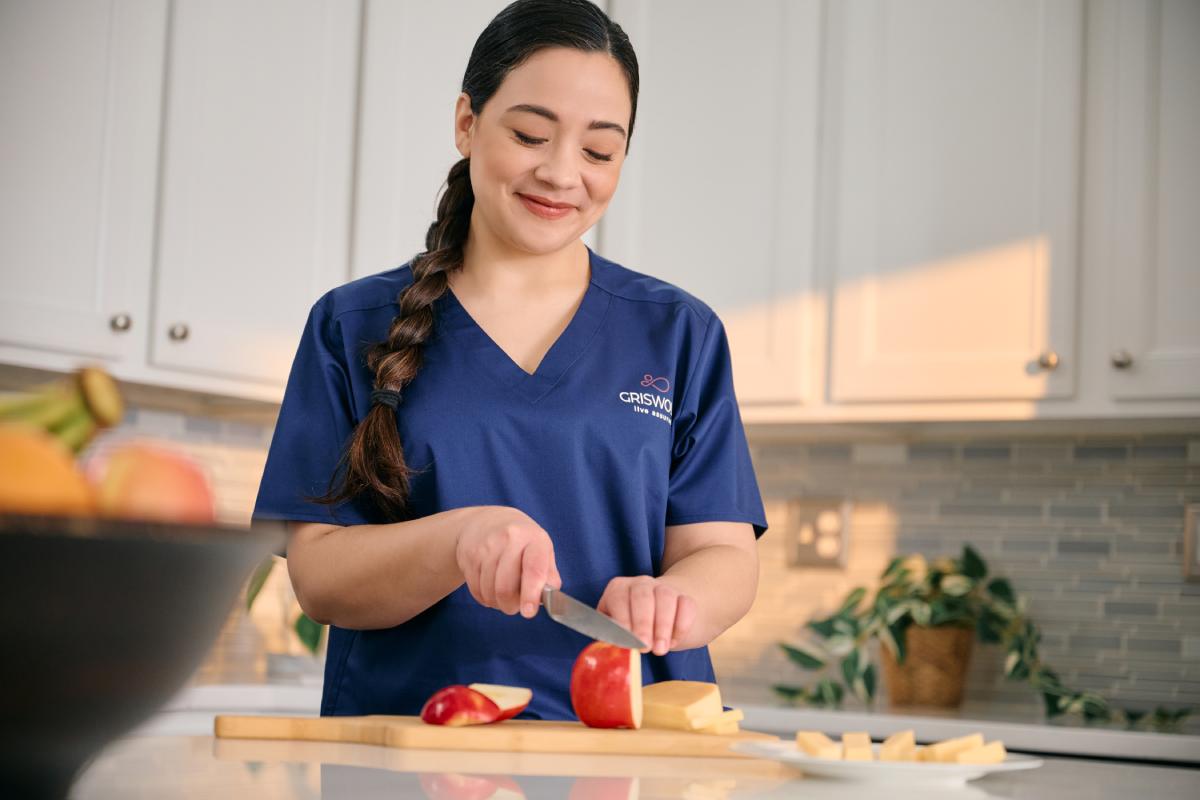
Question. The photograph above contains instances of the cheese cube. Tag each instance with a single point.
(675, 704)
(990, 753)
(856, 747)
(900, 746)
(818, 745)
(946, 750)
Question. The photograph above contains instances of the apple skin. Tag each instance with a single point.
(459, 705)
(145, 481)
(606, 686)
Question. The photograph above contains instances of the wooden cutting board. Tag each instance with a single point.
(513, 735)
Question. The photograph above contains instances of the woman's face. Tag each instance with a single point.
(555, 130)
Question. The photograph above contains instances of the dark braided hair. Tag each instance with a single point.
(374, 458)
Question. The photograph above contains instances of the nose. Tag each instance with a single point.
(558, 168)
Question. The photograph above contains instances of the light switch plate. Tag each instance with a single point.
(817, 533)
(1191, 543)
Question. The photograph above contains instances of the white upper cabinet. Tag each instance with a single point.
(951, 154)
(717, 194)
(1149, 200)
(257, 174)
(80, 95)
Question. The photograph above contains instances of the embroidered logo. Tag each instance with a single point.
(652, 404)
(662, 384)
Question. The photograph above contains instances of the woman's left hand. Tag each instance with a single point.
(655, 611)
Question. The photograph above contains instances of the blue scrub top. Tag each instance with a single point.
(629, 424)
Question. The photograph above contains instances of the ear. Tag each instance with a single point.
(464, 125)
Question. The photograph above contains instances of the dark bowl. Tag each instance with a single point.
(102, 621)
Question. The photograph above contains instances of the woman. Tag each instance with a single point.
(529, 413)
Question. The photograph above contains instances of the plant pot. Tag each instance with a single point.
(935, 667)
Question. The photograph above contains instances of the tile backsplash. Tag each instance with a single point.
(1088, 526)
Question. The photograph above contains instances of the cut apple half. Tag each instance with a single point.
(459, 705)
(511, 700)
(606, 686)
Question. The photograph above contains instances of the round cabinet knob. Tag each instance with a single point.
(178, 332)
(1048, 360)
(120, 322)
(1121, 359)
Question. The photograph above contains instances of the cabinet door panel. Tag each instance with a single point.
(79, 107)
(1153, 264)
(256, 181)
(952, 150)
(717, 195)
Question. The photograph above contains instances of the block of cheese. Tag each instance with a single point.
(900, 746)
(725, 722)
(990, 753)
(946, 750)
(675, 704)
(818, 745)
(856, 746)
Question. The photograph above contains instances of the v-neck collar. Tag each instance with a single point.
(567, 348)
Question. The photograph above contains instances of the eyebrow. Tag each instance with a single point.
(542, 111)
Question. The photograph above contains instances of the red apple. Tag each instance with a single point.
(459, 705)
(511, 700)
(606, 686)
(147, 481)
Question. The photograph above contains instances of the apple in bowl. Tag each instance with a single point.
(606, 686)
(475, 704)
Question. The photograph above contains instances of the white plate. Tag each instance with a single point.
(882, 771)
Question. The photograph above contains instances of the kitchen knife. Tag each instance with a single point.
(583, 618)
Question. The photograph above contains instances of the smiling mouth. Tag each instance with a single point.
(542, 210)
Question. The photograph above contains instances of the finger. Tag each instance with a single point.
(554, 579)
(616, 601)
(487, 578)
(534, 571)
(685, 617)
(641, 611)
(665, 603)
(508, 577)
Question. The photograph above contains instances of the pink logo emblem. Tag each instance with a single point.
(662, 384)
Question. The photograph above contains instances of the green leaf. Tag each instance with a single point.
(1051, 703)
(1011, 661)
(892, 566)
(852, 600)
(261, 573)
(309, 632)
(897, 629)
(790, 693)
(868, 677)
(921, 613)
(823, 627)
(830, 693)
(973, 565)
(1132, 716)
(1002, 590)
(850, 667)
(957, 585)
(802, 656)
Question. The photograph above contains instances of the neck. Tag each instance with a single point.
(494, 268)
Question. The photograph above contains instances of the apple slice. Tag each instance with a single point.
(459, 705)
(511, 700)
(606, 686)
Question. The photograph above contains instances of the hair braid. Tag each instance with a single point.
(374, 458)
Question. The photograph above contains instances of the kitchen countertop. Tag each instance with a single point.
(165, 767)
(192, 710)
(173, 755)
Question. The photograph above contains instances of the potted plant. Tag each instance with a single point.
(925, 617)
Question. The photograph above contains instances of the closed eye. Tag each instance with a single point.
(531, 140)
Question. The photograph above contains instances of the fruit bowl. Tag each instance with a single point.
(103, 620)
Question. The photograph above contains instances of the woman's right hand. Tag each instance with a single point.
(506, 559)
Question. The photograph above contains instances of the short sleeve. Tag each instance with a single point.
(712, 478)
(315, 421)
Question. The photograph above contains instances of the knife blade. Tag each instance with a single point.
(581, 617)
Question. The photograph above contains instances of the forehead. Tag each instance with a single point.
(574, 84)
